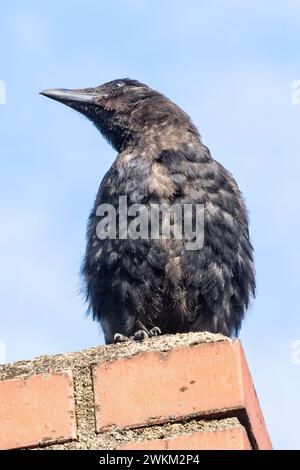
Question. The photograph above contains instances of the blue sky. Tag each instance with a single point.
(230, 65)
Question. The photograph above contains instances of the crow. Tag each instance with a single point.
(141, 286)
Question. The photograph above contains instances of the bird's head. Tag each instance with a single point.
(122, 110)
(111, 107)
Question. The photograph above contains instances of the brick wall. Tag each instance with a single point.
(187, 391)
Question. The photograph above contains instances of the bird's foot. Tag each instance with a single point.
(155, 331)
(119, 338)
(140, 335)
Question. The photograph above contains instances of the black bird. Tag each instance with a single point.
(140, 287)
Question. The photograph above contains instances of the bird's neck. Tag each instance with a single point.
(151, 140)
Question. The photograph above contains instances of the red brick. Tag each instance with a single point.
(156, 387)
(223, 439)
(37, 409)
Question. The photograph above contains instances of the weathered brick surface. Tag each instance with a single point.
(37, 410)
(188, 391)
(204, 379)
(224, 439)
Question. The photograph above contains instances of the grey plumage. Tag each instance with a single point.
(138, 284)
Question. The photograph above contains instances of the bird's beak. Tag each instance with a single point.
(71, 96)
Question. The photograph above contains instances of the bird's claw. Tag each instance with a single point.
(140, 335)
(155, 331)
(119, 338)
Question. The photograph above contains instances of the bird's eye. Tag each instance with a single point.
(118, 84)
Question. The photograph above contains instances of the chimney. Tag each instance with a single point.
(177, 392)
